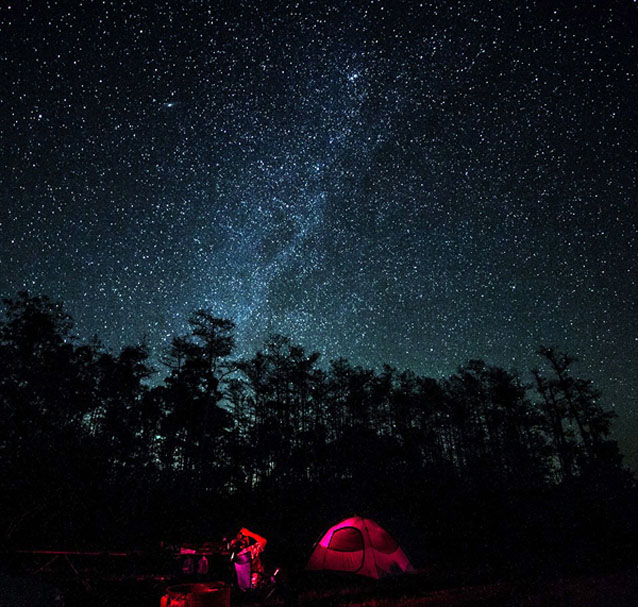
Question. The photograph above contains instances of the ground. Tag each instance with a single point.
(619, 589)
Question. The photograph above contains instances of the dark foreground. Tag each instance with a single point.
(617, 589)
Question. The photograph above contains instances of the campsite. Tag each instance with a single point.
(355, 563)
(418, 589)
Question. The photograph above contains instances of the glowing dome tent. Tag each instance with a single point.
(359, 545)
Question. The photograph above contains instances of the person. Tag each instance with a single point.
(247, 547)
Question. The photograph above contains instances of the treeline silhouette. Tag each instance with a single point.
(478, 469)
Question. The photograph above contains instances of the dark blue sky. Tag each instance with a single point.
(393, 182)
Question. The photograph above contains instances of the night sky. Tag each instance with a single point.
(408, 183)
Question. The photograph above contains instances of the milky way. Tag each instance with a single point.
(407, 183)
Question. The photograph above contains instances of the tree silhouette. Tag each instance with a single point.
(91, 448)
(283, 383)
(46, 392)
(195, 425)
(578, 423)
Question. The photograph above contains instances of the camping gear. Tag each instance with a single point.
(215, 594)
(359, 545)
(243, 570)
(202, 565)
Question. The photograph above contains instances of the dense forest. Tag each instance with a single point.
(98, 449)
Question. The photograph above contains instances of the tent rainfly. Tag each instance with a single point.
(359, 545)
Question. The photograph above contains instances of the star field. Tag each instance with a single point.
(412, 183)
